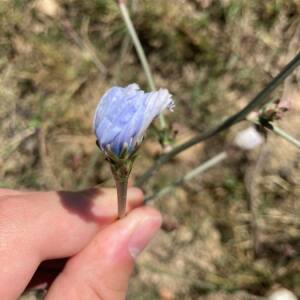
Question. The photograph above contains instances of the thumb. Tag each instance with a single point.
(102, 269)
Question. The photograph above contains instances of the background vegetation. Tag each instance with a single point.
(58, 57)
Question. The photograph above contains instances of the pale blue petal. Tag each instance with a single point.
(129, 131)
(155, 104)
(105, 105)
(123, 115)
(114, 110)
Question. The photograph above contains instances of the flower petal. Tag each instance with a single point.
(156, 103)
(123, 115)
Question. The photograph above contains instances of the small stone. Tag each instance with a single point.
(184, 235)
(48, 7)
(166, 294)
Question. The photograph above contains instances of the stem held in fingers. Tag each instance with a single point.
(121, 186)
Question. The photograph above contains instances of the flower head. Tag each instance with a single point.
(123, 115)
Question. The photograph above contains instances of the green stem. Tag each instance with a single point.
(121, 168)
(140, 51)
(121, 186)
(259, 100)
(278, 131)
(285, 136)
(190, 175)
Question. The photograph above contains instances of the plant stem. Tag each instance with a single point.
(259, 100)
(285, 135)
(140, 51)
(278, 131)
(121, 186)
(190, 175)
(137, 44)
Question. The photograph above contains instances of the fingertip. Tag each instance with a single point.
(148, 223)
(142, 213)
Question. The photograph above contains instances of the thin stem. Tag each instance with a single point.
(285, 135)
(121, 167)
(137, 44)
(121, 186)
(277, 130)
(190, 175)
(259, 100)
(140, 51)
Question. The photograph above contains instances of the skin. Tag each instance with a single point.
(98, 250)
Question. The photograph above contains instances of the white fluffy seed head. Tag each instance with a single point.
(248, 139)
(282, 294)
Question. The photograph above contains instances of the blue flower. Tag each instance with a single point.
(123, 115)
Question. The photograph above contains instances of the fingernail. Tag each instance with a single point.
(143, 234)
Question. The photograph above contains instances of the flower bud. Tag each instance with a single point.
(123, 115)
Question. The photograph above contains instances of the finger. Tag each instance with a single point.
(103, 268)
(48, 270)
(9, 192)
(45, 225)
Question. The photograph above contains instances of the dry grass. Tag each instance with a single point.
(57, 59)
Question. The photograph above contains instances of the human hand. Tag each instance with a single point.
(39, 226)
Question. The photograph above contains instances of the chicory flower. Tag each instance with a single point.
(120, 122)
(124, 114)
